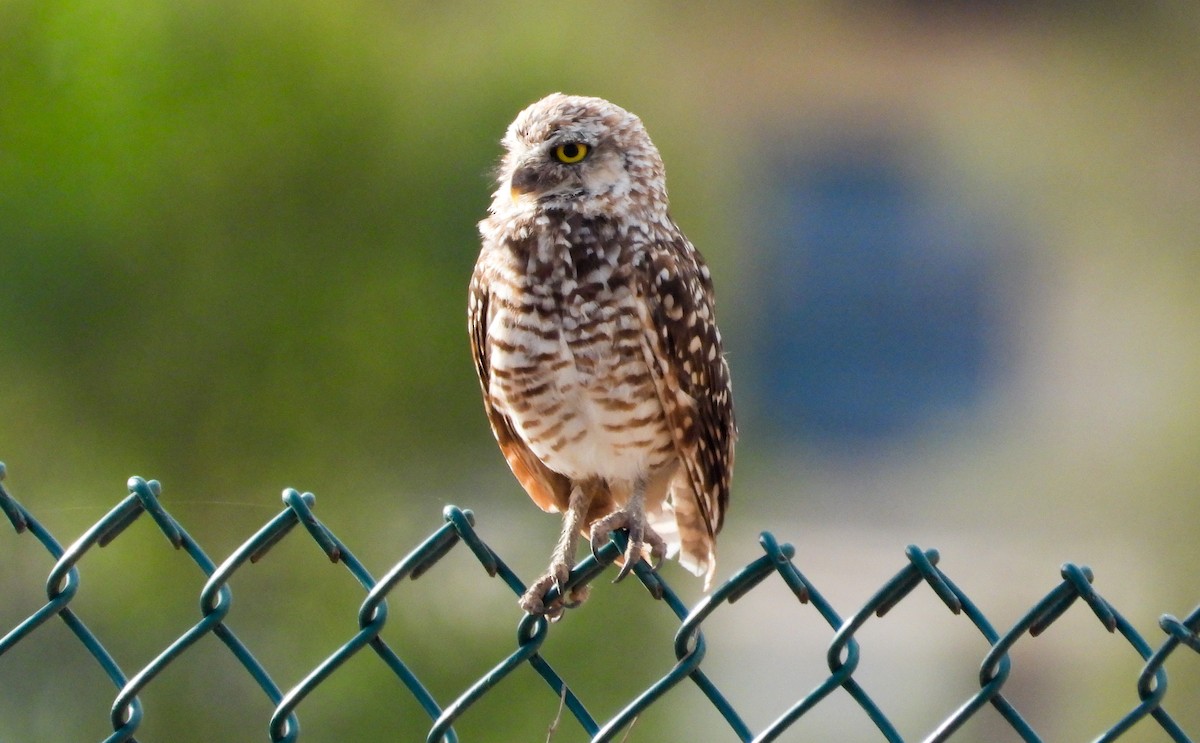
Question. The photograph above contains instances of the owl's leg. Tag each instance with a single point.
(631, 516)
(561, 562)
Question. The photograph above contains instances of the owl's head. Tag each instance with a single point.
(573, 153)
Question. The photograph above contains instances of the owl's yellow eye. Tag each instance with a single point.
(570, 153)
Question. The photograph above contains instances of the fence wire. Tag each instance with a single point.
(458, 530)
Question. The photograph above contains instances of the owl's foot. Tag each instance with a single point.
(534, 600)
(562, 560)
(633, 519)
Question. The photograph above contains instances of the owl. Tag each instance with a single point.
(594, 337)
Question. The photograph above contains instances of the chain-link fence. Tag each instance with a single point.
(1147, 707)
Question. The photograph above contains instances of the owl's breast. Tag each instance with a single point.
(569, 371)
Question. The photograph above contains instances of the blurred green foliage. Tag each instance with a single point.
(238, 230)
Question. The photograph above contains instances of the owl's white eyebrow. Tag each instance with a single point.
(568, 136)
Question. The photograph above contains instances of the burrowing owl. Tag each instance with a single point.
(592, 327)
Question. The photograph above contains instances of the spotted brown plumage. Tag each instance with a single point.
(596, 345)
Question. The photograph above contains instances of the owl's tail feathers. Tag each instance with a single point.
(686, 537)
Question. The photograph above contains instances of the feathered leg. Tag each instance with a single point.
(561, 562)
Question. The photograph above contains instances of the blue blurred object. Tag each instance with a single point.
(879, 301)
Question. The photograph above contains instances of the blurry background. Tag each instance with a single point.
(957, 255)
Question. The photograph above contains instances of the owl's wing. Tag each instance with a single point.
(550, 490)
(683, 351)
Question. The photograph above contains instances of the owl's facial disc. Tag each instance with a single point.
(555, 172)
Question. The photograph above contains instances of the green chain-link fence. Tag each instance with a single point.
(1148, 708)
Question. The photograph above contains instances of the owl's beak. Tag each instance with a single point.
(523, 181)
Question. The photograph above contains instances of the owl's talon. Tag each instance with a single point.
(627, 568)
(640, 537)
(533, 601)
(560, 573)
(576, 596)
(658, 551)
